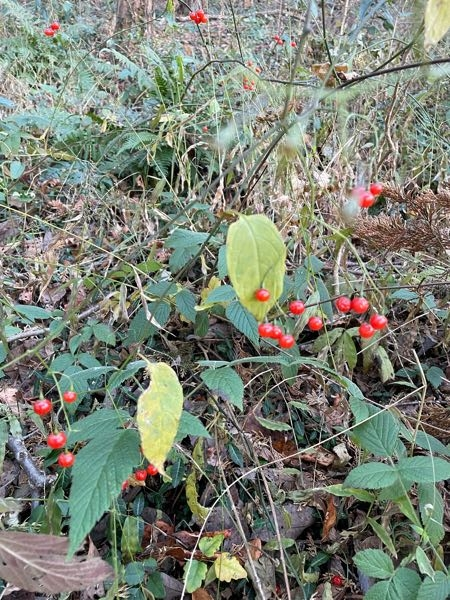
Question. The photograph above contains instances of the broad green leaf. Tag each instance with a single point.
(209, 545)
(223, 293)
(16, 169)
(104, 333)
(379, 434)
(374, 563)
(32, 312)
(437, 588)
(194, 574)
(273, 425)
(423, 562)
(190, 425)
(155, 585)
(426, 441)
(383, 535)
(432, 512)
(435, 376)
(97, 476)
(158, 413)
(243, 320)
(404, 585)
(386, 367)
(228, 567)
(104, 421)
(256, 257)
(372, 475)
(345, 350)
(327, 339)
(423, 469)
(437, 21)
(122, 375)
(186, 301)
(226, 383)
(134, 573)
(132, 530)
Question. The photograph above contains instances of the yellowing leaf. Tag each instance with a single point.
(256, 258)
(228, 567)
(158, 413)
(199, 511)
(437, 21)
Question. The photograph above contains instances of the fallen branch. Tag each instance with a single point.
(37, 478)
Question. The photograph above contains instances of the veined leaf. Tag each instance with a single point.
(158, 413)
(437, 21)
(194, 574)
(370, 476)
(256, 257)
(228, 567)
(424, 469)
(226, 383)
(374, 563)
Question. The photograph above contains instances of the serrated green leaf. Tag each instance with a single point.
(122, 375)
(185, 302)
(228, 567)
(371, 476)
(194, 574)
(426, 441)
(158, 413)
(374, 563)
(104, 333)
(32, 312)
(226, 383)
(190, 425)
(223, 293)
(273, 425)
(134, 573)
(243, 320)
(439, 589)
(93, 489)
(210, 545)
(432, 512)
(423, 469)
(435, 376)
(256, 258)
(404, 585)
(437, 21)
(104, 421)
(379, 434)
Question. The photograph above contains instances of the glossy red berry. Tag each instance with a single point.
(69, 397)
(66, 459)
(262, 295)
(315, 323)
(293, 44)
(337, 580)
(366, 200)
(378, 321)
(55, 26)
(286, 341)
(277, 332)
(42, 407)
(265, 330)
(49, 32)
(376, 188)
(343, 304)
(57, 440)
(297, 307)
(140, 474)
(366, 330)
(152, 470)
(360, 305)
(124, 485)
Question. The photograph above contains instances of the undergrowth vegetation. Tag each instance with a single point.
(224, 308)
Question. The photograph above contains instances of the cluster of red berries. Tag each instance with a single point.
(248, 85)
(360, 305)
(57, 440)
(337, 580)
(141, 475)
(52, 29)
(280, 42)
(257, 69)
(367, 198)
(198, 17)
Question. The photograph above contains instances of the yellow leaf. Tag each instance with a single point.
(256, 257)
(199, 511)
(437, 21)
(228, 567)
(158, 413)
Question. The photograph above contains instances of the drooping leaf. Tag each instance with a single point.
(194, 574)
(437, 21)
(273, 425)
(199, 511)
(38, 563)
(423, 562)
(386, 367)
(383, 534)
(371, 476)
(228, 567)
(132, 530)
(158, 413)
(256, 257)
(97, 476)
(226, 383)
(243, 320)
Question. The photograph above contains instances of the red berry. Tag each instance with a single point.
(57, 440)
(124, 485)
(366, 330)
(49, 32)
(315, 323)
(360, 305)
(343, 304)
(294, 44)
(376, 188)
(337, 580)
(69, 397)
(66, 459)
(55, 26)
(366, 200)
(193, 16)
(262, 295)
(277, 332)
(152, 470)
(265, 329)
(42, 407)
(378, 321)
(297, 307)
(140, 474)
(286, 341)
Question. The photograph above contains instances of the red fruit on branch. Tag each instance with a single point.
(66, 459)
(297, 307)
(140, 474)
(376, 188)
(366, 330)
(57, 440)
(69, 397)
(286, 341)
(55, 26)
(265, 330)
(49, 32)
(378, 321)
(262, 295)
(343, 304)
(152, 470)
(277, 332)
(315, 323)
(42, 407)
(366, 200)
(360, 305)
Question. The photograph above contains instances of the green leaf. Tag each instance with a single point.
(383, 535)
(373, 475)
(379, 434)
(194, 574)
(432, 512)
(423, 469)
(326, 305)
(185, 302)
(435, 376)
(327, 339)
(155, 585)
(345, 350)
(134, 573)
(243, 320)
(403, 586)
(426, 441)
(158, 413)
(385, 365)
(223, 293)
(423, 562)
(437, 588)
(104, 333)
(374, 563)
(338, 490)
(256, 258)
(122, 375)
(97, 476)
(132, 530)
(16, 169)
(226, 383)
(32, 312)
(184, 238)
(228, 567)
(437, 21)
(199, 511)
(190, 425)
(273, 425)
(105, 421)
(210, 545)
